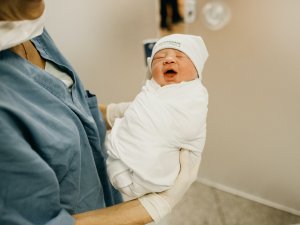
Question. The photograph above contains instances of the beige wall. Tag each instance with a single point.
(104, 42)
(253, 77)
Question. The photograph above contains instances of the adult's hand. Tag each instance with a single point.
(113, 111)
(160, 204)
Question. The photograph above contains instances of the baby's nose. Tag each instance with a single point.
(169, 59)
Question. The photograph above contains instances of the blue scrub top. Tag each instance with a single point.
(52, 161)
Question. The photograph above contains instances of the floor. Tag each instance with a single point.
(203, 205)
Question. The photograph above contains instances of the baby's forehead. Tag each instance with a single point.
(167, 50)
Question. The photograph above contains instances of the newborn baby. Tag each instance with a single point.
(167, 115)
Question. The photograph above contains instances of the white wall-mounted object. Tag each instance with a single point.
(216, 14)
(190, 11)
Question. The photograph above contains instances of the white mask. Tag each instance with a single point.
(13, 33)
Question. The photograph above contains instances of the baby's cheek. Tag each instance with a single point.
(156, 73)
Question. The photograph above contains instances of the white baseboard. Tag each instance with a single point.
(248, 196)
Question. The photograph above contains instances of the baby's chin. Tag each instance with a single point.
(170, 82)
(167, 81)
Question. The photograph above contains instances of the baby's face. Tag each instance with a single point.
(171, 66)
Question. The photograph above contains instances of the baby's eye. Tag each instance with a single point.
(180, 56)
(157, 57)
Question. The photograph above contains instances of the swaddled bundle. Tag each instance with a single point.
(143, 146)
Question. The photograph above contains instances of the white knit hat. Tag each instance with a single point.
(191, 45)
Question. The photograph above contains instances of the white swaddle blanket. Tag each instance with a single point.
(143, 146)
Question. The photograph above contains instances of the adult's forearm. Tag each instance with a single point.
(21, 9)
(127, 213)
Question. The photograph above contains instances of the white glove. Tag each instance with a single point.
(160, 204)
(114, 111)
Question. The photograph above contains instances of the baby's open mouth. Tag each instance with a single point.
(170, 72)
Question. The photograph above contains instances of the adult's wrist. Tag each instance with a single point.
(156, 206)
